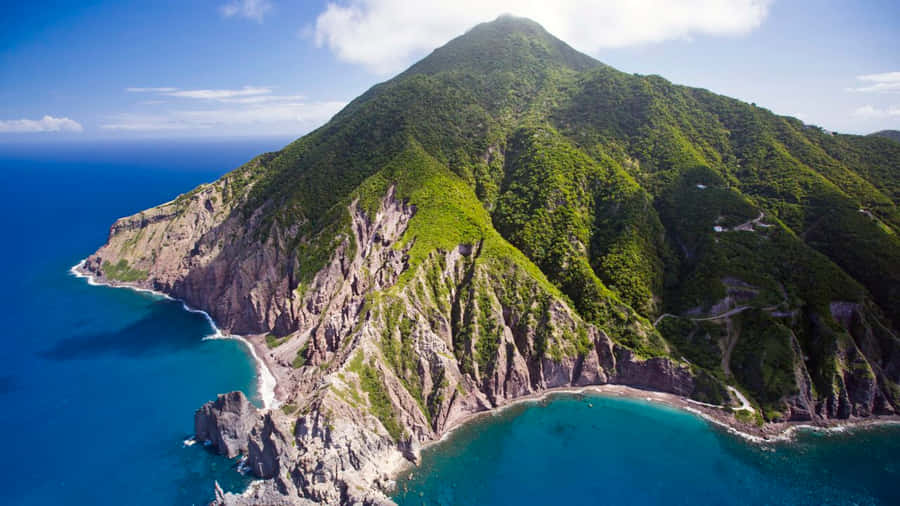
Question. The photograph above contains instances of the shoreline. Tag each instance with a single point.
(717, 416)
(265, 380)
(769, 433)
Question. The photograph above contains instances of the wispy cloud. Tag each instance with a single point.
(220, 94)
(45, 124)
(268, 118)
(879, 83)
(259, 99)
(250, 9)
(245, 94)
(386, 35)
(249, 109)
(869, 111)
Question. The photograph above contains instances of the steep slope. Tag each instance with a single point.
(509, 216)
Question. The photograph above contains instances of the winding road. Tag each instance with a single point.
(726, 314)
(745, 404)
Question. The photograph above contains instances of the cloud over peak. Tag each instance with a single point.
(386, 35)
(45, 124)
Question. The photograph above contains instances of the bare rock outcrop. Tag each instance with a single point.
(226, 423)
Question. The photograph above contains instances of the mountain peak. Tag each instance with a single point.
(513, 23)
(508, 42)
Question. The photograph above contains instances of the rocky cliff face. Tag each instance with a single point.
(202, 249)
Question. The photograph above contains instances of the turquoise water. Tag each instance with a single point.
(98, 385)
(622, 451)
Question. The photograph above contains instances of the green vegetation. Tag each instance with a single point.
(300, 359)
(893, 135)
(745, 416)
(273, 341)
(489, 337)
(372, 383)
(763, 360)
(121, 271)
(401, 356)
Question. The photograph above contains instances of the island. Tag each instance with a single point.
(509, 218)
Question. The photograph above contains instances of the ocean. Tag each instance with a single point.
(99, 385)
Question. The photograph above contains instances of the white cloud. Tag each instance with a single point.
(868, 111)
(45, 124)
(884, 82)
(250, 9)
(386, 35)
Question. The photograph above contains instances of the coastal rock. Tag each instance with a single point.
(270, 443)
(226, 423)
(656, 373)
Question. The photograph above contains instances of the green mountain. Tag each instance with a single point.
(509, 215)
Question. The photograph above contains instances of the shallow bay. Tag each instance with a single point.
(596, 449)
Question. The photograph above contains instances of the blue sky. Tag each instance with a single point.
(114, 69)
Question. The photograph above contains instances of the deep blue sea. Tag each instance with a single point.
(98, 385)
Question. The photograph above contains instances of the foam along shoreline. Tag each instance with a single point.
(265, 380)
